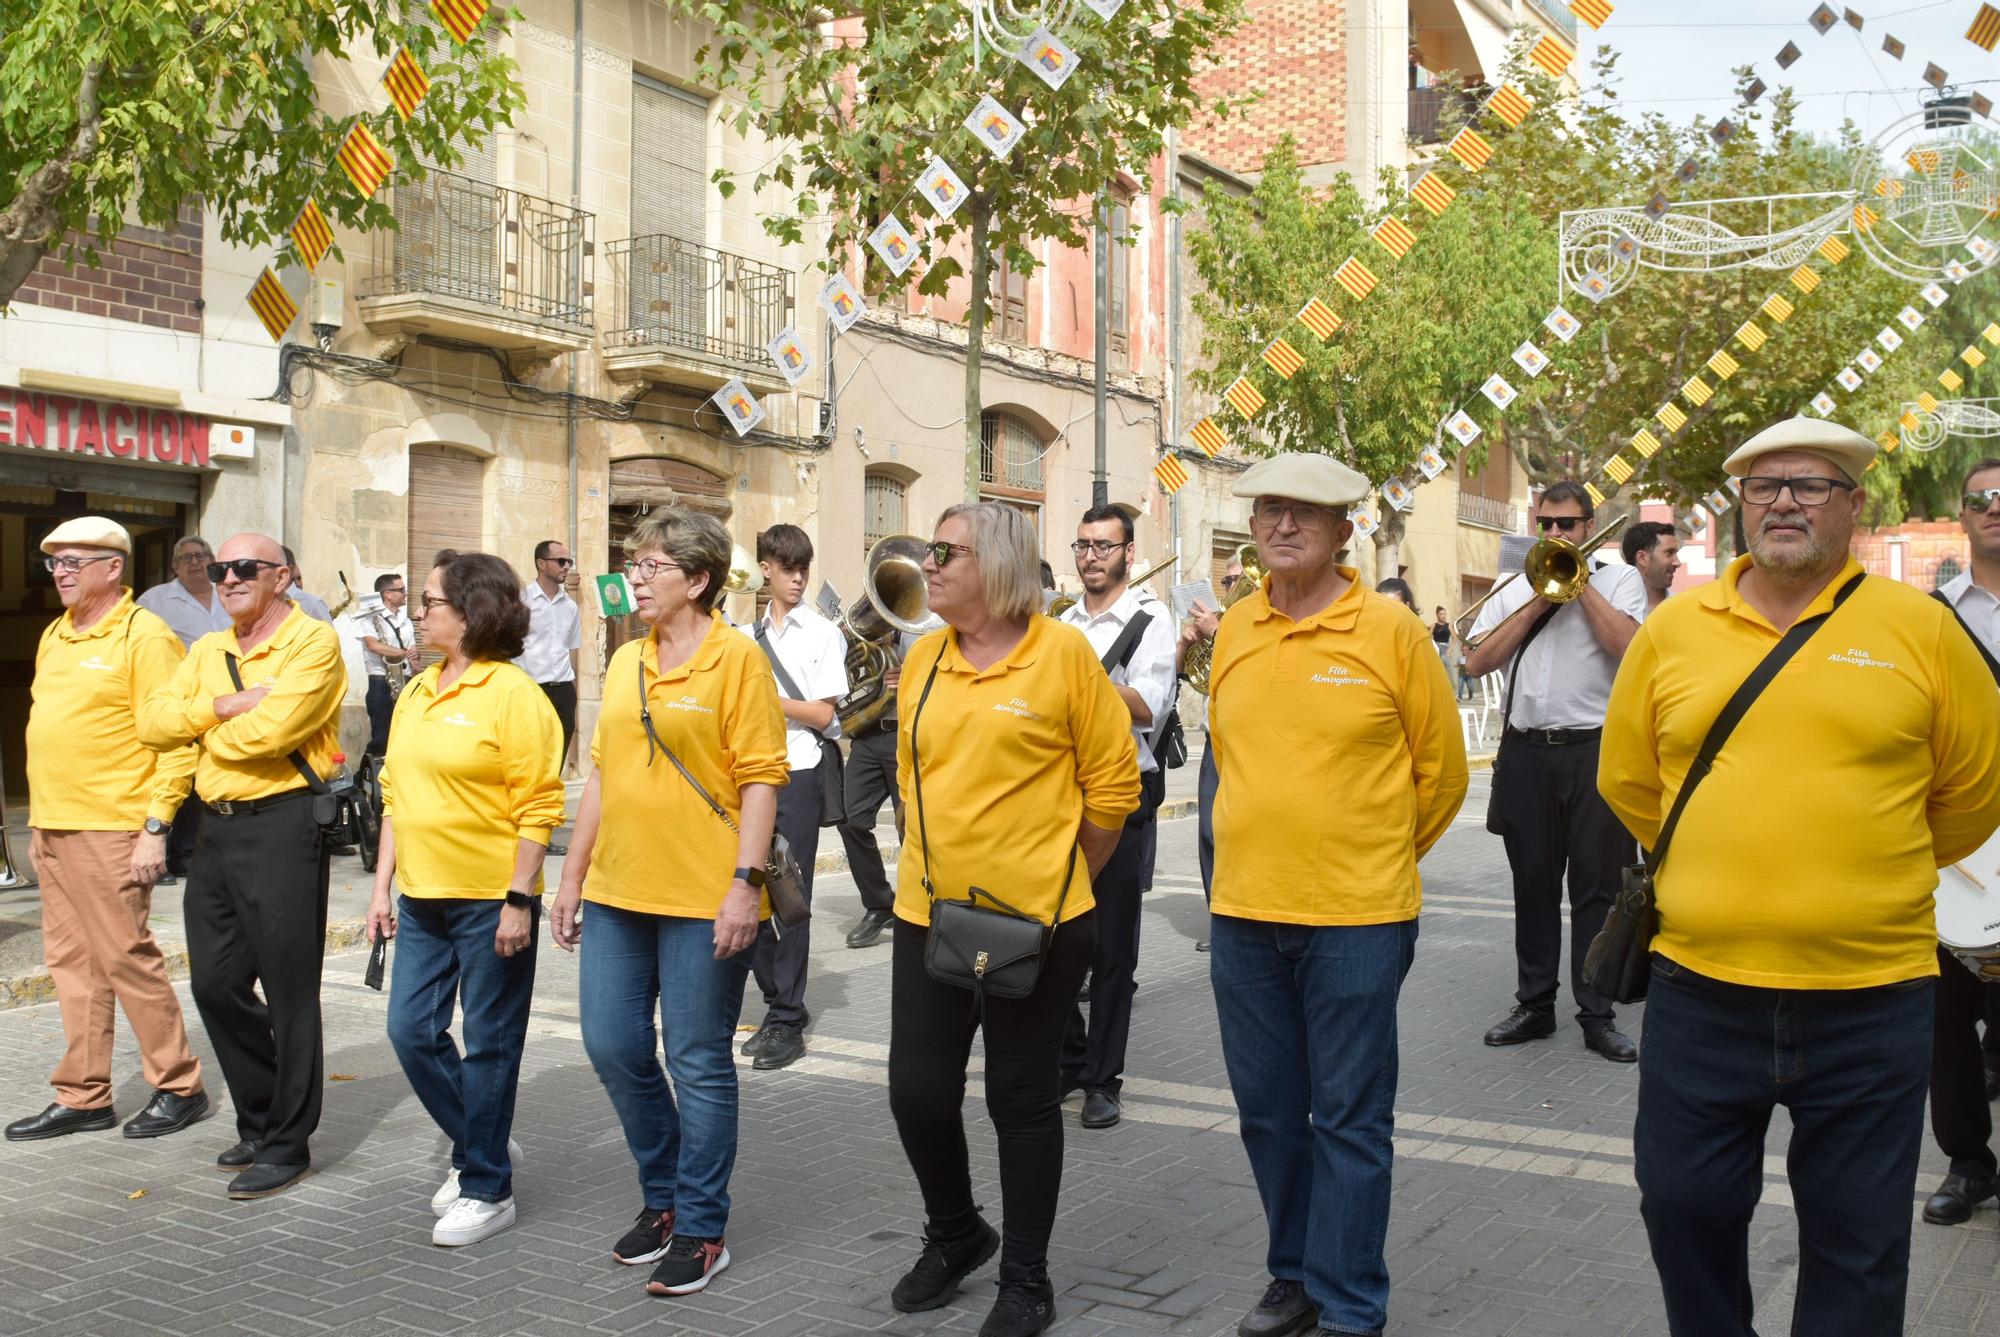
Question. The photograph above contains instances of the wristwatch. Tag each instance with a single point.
(521, 900)
(156, 827)
(754, 876)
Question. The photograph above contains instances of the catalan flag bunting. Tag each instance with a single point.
(311, 237)
(1927, 402)
(1751, 335)
(1595, 13)
(1777, 308)
(1923, 160)
(1888, 441)
(1553, 55)
(1671, 417)
(1991, 334)
(1804, 279)
(460, 17)
(1888, 188)
(1616, 469)
(1208, 435)
(1243, 397)
(1950, 380)
(365, 161)
(1318, 317)
(1985, 29)
(1395, 238)
(1723, 365)
(1865, 218)
(1696, 392)
(1172, 475)
(1432, 192)
(1284, 359)
(1908, 422)
(1592, 491)
(1645, 443)
(1470, 148)
(1834, 249)
(407, 83)
(1972, 356)
(1510, 104)
(274, 306)
(1356, 277)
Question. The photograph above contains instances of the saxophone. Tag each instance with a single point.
(396, 672)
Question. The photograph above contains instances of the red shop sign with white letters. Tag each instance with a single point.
(106, 428)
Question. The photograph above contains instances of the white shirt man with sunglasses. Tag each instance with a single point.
(1545, 777)
(555, 635)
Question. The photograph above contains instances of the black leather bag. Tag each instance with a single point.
(332, 810)
(1620, 960)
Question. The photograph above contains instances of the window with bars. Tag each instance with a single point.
(884, 499)
(1010, 454)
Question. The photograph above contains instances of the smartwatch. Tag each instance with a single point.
(754, 876)
(156, 827)
(521, 900)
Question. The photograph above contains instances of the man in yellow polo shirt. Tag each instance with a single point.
(256, 893)
(1339, 762)
(97, 830)
(1796, 957)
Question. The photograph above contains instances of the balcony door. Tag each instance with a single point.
(670, 278)
(448, 238)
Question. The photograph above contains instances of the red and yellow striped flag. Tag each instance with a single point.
(1888, 441)
(1804, 279)
(1951, 380)
(1208, 435)
(365, 161)
(311, 237)
(1356, 277)
(1470, 148)
(1865, 218)
(1172, 475)
(1751, 335)
(1888, 188)
(1395, 238)
(1645, 443)
(1243, 397)
(1596, 497)
(1723, 365)
(1927, 402)
(1318, 317)
(1991, 334)
(1510, 104)
(460, 17)
(1972, 356)
(1924, 160)
(1985, 29)
(1834, 249)
(407, 83)
(1284, 359)
(1552, 54)
(1696, 392)
(273, 305)
(1777, 308)
(1616, 469)
(1670, 416)
(1593, 12)
(1908, 422)
(1432, 192)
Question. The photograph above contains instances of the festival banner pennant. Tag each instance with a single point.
(1105, 9)
(1594, 13)
(1657, 207)
(1834, 249)
(1397, 495)
(1670, 416)
(1788, 55)
(1049, 58)
(1509, 104)
(1616, 469)
(1991, 334)
(1849, 378)
(1923, 160)
(789, 351)
(1957, 271)
(407, 83)
(1824, 404)
(1951, 380)
(1356, 277)
(1470, 148)
(1625, 246)
(311, 237)
(941, 186)
(1927, 402)
(1853, 20)
(460, 17)
(1716, 501)
(1596, 495)
(1364, 522)
(1823, 19)
(1982, 105)
(1431, 462)
(1561, 324)
(1697, 392)
(997, 129)
(1497, 390)
(1552, 55)
(1892, 47)
(1284, 359)
(1171, 474)
(1318, 317)
(274, 306)
(1723, 365)
(1935, 76)
(739, 406)
(1935, 294)
(1889, 339)
(1804, 279)
(1595, 284)
(1432, 192)
(1645, 443)
(1394, 237)
(1865, 218)
(365, 161)
(1244, 397)
(1750, 335)
(1908, 422)
(1531, 359)
(1777, 308)
(1868, 360)
(1462, 427)
(842, 302)
(1756, 90)
(1911, 318)
(1980, 248)
(892, 241)
(1209, 436)
(1972, 357)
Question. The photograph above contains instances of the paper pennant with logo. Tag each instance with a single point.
(1320, 318)
(1617, 469)
(1244, 397)
(1049, 57)
(1462, 427)
(1510, 104)
(1470, 148)
(274, 306)
(842, 302)
(1893, 47)
(1980, 248)
(1531, 359)
(1935, 76)
(365, 161)
(1432, 192)
(1756, 90)
(1356, 277)
(789, 351)
(1751, 335)
(1911, 318)
(1394, 236)
(614, 594)
(1284, 359)
(460, 17)
(311, 236)
(407, 83)
(1669, 416)
(997, 129)
(1849, 378)
(1822, 19)
(1889, 339)
(739, 406)
(1934, 293)
(1595, 284)
(1625, 246)
(1645, 443)
(1561, 324)
(1209, 436)
(1593, 13)
(1430, 462)
(893, 242)
(1364, 522)
(941, 186)
(1788, 54)
(1657, 207)
(1105, 9)
(1397, 495)
(1722, 364)
(1171, 474)
(1824, 404)
(1868, 360)
(1957, 272)
(1982, 105)
(1552, 55)
(1497, 390)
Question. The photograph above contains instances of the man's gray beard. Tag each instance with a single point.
(1789, 564)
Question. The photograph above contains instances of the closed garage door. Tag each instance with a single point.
(445, 506)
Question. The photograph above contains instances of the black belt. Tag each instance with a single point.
(1555, 737)
(243, 807)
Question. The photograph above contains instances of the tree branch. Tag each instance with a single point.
(32, 221)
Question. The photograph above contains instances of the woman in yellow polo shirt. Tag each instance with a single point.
(470, 793)
(673, 887)
(1013, 738)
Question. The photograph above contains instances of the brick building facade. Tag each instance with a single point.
(147, 276)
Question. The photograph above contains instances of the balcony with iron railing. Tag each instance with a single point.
(1438, 111)
(1489, 512)
(475, 261)
(1554, 14)
(688, 314)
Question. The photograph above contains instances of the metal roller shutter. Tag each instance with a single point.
(446, 506)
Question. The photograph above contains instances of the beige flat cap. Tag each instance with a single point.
(1847, 448)
(1302, 475)
(89, 531)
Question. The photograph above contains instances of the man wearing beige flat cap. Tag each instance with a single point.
(1340, 763)
(1796, 954)
(101, 802)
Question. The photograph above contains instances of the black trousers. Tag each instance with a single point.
(1553, 821)
(381, 706)
(256, 917)
(182, 834)
(931, 1025)
(1094, 1054)
(870, 778)
(562, 695)
(780, 963)
(1960, 1118)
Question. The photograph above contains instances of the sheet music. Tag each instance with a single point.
(1182, 597)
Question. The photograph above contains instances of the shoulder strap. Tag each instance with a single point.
(784, 680)
(1992, 665)
(297, 758)
(1514, 664)
(1733, 712)
(653, 740)
(1121, 649)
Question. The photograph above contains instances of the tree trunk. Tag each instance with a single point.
(1388, 540)
(975, 339)
(30, 223)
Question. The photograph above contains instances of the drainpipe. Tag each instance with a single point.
(575, 260)
(1100, 482)
(1174, 337)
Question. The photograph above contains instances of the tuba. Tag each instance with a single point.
(745, 576)
(894, 600)
(1200, 657)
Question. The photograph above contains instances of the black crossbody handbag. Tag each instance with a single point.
(1619, 962)
(782, 880)
(991, 949)
(832, 780)
(327, 806)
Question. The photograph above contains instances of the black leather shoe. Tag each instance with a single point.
(167, 1113)
(166, 880)
(1283, 1311)
(60, 1121)
(1201, 944)
(755, 1044)
(558, 849)
(1100, 1107)
(1523, 1024)
(1955, 1198)
(941, 1266)
(261, 1181)
(1610, 1042)
(869, 931)
(1024, 1309)
(239, 1157)
(786, 1046)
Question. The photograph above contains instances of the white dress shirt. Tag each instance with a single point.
(1979, 608)
(1564, 679)
(387, 627)
(1151, 669)
(555, 628)
(180, 610)
(815, 653)
(313, 605)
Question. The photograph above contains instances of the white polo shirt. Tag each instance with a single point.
(174, 605)
(1563, 681)
(1152, 667)
(1978, 606)
(555, 628)
(387, 627)
(815, 653)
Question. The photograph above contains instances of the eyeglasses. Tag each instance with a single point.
(1978, 502)
(1102, 547)
(1566, 523)
(564, 562)
(394, 589)
(1805, 491)
(195, 557)
(72, 564)
(1229, 583)
(648, 567)
(942, 552)
(1305, 515)
(245, 568)
(429, 601)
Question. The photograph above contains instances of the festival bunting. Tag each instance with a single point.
(274, 306)
(460, 17)
(311, 237)
(407, 83)
(365, 161)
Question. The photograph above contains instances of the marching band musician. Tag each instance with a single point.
(1545, 776)
(1133, 636)
(1796, 952)
(1340, 764)
(387, 637)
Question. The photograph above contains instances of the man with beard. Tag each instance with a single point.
(1796, 958)
(1133, 634)
(1653, 550)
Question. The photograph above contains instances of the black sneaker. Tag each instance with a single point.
(646, 1240)
(1283, 1311)
(689, 1265)
(755, 1044)
(786, 1046)
(941, 1266)
(1024, 1309)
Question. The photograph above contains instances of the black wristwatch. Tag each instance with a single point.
(156, 827)
(521, 900)
(754, 876)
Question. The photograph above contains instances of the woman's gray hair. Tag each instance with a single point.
(696, 543)
(1010, 571)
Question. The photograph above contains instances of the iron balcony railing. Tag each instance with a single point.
(1439, 110)
(457, 237)
(679, 294)
(1492, 512)
(1554, 14)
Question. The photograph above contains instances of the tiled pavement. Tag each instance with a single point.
(1514, 1208)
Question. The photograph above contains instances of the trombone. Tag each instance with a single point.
(1558, 571)
(1142, 573)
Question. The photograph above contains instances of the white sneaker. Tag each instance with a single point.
(470, 1221)
(447, 1193)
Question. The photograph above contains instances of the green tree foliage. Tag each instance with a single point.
(117, 110)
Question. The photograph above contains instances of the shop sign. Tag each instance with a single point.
(113, 430)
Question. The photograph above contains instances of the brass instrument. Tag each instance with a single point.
(346, 597)
(1200, 658)
(1558, 571)
(1145, 571)
(395, 672)
(894, 600)
(745, 576)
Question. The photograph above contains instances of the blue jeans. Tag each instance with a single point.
(684, 1136)
(1851, 1065)
(444, 951)
(1308, 1020)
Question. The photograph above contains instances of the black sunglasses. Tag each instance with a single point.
(1562, 522)
(564, 562)
(246, 569)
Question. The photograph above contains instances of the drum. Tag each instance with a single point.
(1968, 910)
